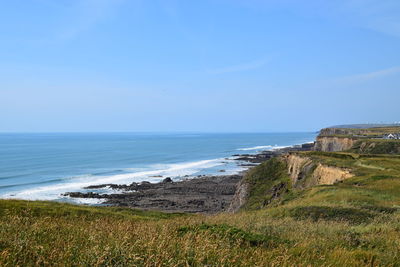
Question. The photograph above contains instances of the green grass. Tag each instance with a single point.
(352, 223)
(232, 234)
(376, 146)
(266, 182)
(375, 132)
(316, 213)
(56, 210)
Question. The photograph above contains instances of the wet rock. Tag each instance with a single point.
(207, 194)
(167, 180)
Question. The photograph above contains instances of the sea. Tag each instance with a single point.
(44, 166)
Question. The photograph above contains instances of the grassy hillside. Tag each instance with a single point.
(376, 146)
(352, 223)
(267, 184)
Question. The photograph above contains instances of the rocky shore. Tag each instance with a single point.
(205, 194)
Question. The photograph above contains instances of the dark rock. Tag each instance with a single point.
(207, 194)
(167, 180)
(84, 195)
(196, 202)
(98, 186)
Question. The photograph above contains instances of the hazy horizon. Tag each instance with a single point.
(211, 66)
(149, 132)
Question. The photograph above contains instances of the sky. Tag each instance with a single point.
(199, 66)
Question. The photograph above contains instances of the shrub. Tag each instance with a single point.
(317, 213)
(233, 234)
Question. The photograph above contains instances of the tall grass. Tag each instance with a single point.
(268, 237)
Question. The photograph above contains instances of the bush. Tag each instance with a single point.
(317, 213)
(233, 234)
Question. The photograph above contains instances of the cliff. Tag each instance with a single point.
(304, 172)
(357, 145)
(272, 180)
(364, 140)
(337, 139)
(333, 144)
(240, 197)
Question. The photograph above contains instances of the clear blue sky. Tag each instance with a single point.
(210, 65)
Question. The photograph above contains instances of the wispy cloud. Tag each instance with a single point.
(364, 77)
(240, 67)
(85, 14)
(377, 15)
(381, 16)
(389, 26)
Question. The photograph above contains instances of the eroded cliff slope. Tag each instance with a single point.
(333, 144)
(271, 181)
(304, 172)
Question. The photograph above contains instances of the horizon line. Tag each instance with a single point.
(155, 132)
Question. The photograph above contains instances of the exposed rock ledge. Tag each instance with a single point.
(241, 194)
(333, 144)
(305, 173)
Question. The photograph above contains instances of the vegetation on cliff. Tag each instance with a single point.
(376, 146)
(367, 132)
(267, 183)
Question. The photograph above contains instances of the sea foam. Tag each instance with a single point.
(269, 147)
(54, 192)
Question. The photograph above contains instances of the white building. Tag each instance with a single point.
(392, 136)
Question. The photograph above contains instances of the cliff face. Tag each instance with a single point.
(242, 192)
(305, 173)
(330, 175)
(337, 139)
(333, 144)
(298, 167)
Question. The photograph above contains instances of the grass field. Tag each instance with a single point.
(352, 223)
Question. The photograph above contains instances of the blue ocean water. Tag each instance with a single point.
(46, 165)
